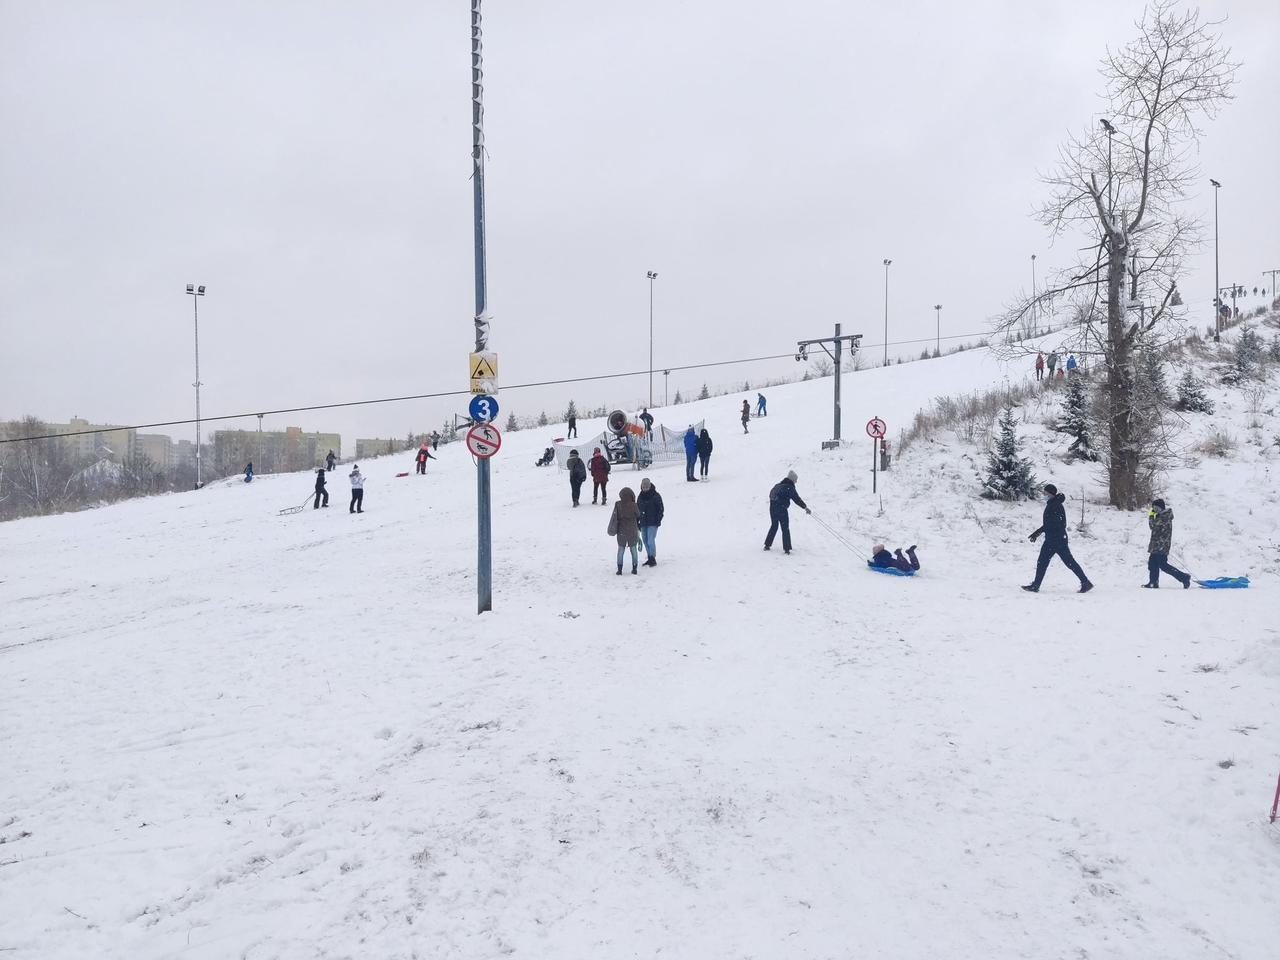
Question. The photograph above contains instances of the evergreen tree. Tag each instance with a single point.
(1075, 421)
(1273, 349)
(571, 412)
(1152, 387)
(1009, 476)
(1248, 355)
(679, 399)
(705, 394)
(542, 419)
(512, 423)
(1191, 395)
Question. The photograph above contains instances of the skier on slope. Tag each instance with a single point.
(577, 475)
(357, 490)
(599, 467)
(781, 497)
(1160, 520)
(321, 492)
(1054, 528)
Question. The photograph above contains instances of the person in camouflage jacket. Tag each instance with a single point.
(1160, 520)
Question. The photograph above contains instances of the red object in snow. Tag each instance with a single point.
(405, 474)
(1276, 802)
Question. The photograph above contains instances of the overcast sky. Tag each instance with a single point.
(309, 162)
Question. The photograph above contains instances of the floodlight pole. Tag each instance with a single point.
(484, 518)
(652, 277)
(937, 348)
(1217, 304)
(196, 293)
(886, 312)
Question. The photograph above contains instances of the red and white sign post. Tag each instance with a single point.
(876, 429)
(484, 440)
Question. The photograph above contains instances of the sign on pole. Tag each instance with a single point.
(484, 409)
(484, 372)
(484, 440)
(876, 428)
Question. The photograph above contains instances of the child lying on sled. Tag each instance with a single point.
(884, 560)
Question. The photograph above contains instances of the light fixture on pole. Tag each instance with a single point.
(196, 293)
(937, 307)
(886, 311)
(1217, 305)
(652, 277)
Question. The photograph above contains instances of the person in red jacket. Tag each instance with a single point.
(424, 454)
(1039, 366)
(599, 468)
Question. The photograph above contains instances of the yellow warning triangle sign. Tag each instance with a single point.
(483, 370)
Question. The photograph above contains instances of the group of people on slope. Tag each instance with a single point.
(599, 468)
(357, 490)
(634, 522)
(1060, 373)
(697, 449)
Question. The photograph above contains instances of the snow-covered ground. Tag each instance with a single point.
(226, 733)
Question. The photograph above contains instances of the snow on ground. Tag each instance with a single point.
(231, 734)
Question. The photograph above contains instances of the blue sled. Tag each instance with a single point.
(891, 571)
(1225, 583)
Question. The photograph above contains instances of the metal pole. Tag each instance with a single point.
(1217, 305)
(837, 405)
(666, 384)
(886, 311)
(484, 530)
(874, 451)
(652, 276)
(938, 343)
(195, 304)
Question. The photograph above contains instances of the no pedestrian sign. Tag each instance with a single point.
(876, 428)
(484, 440)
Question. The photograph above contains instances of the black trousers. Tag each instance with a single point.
(573, 430)
(422, 466)
(781, 519)
(357, 501)
(1056, 548)
(600, 488)
(319, 494)
(575, 487)
(703, 460)
(1160, 561)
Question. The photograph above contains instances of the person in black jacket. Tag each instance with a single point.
(1054, 528)
(320, 491)
(573, 427)
(882, 558)
(647, 419)
(577, 475)
(704, 451)
(330, 460)
(780, 499)
(649, 503)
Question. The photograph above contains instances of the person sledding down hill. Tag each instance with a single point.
(882, 559)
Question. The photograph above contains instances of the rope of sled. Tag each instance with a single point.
(840, 538)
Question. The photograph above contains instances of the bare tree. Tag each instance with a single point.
(1121, 185)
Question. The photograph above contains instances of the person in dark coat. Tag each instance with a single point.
(880, 557)
(690, 454)
(624, 524)
(1160, 520)
(548, 455)
(1054, 528)
(424, 454)
(577, 475)
(599, 467)
(649, 504)
(746, 415)
(435, 442)
(704, 452)
(647, 419)
(248, 472)
(1039, 366)
(762, 406)
(573, 427)
(330, 460)
(321, 492)
(781, 497)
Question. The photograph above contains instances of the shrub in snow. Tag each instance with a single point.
(1191, 395)
(1273, 349)
(1009, 476)
(1075, 421)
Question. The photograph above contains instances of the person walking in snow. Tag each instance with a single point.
(649, 505)
(320, 491)
(573, 426)
(647, 419)
(435, 442)
(624, 524)
(690, 454)
(357, 490)
(746, 415)
(1039, 366)
(704, 452)
(600, 468)
(1053, 362)
(330, 460)
(1054, 527)
(248, 472)
(1160, 520)
(781, 497)
(424, 454)
(882, 558)
(1071, 365)
(577, 475)
(762, 409)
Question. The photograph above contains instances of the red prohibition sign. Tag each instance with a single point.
(484, 440)
(876, 428)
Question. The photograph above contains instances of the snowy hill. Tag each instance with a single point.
(233, 734)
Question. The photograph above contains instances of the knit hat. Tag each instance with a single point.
(1050, 489)
(1158, 504)
(791, 475)
(645, 484)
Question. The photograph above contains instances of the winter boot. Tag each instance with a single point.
(1151, 586)
(619, 569)
(1085, 587)
(1186, 582)
(1031, 588)
(635, 569)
